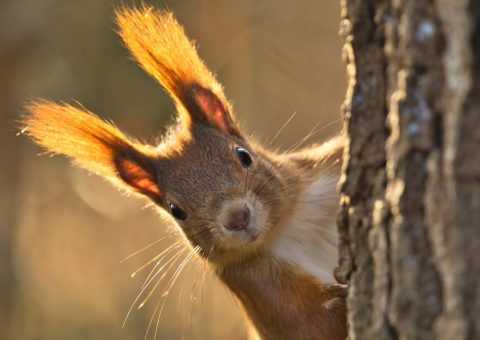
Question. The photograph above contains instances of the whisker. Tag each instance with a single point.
(169, 234)
(282, 128)
(199, 283)
(145, 287)
(153, 270)
(160, 278)
(180, 296)
(195, 236)
(172, 281)
(158, 319)
(249, 183)
(204, 219)
(170, 248)
(271, 201)
(205, 269)
(263, 185)
(178, 271)
(296, 145)
(151, 319)
(278, 165)
(193, 293)
(153, 314)
(202, 285)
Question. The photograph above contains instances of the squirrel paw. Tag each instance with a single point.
(334, 290)
(340, 275)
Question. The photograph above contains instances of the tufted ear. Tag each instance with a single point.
(138, 172)
(93, 144)
(204, 106)
(160, 46)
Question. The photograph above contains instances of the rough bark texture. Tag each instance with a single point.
(409, 219)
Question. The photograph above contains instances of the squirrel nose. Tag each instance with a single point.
(239, 219)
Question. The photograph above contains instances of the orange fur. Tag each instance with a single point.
(159, 44)
(79, 134)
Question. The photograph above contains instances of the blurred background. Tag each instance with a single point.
(63, 232)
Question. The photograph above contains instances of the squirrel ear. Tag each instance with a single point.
(205, 107)
(93, 144)
(138, 174)
(161, 47)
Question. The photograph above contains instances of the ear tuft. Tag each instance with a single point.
(159, 44)
(75, 132)
(93, 144)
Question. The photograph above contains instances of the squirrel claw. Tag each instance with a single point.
(335, 290)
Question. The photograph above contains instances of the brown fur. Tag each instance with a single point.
(196, 167)
(284, 303)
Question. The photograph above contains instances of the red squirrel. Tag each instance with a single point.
(264, 221)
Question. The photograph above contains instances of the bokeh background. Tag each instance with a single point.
(64, 232)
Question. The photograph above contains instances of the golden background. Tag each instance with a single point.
(64, 232)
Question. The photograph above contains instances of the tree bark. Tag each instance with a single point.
(409, 219)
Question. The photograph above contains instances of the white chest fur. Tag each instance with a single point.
(309, 237)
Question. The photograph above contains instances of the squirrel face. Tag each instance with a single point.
(224, 191)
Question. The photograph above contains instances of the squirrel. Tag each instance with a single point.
(264, 221)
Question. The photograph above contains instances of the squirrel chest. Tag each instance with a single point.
(308, 238)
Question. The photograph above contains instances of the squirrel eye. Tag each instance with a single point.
(244, 156)
(178, 213)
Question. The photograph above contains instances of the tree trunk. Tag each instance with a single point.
(409, 218)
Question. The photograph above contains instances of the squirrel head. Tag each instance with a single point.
(224, 192)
